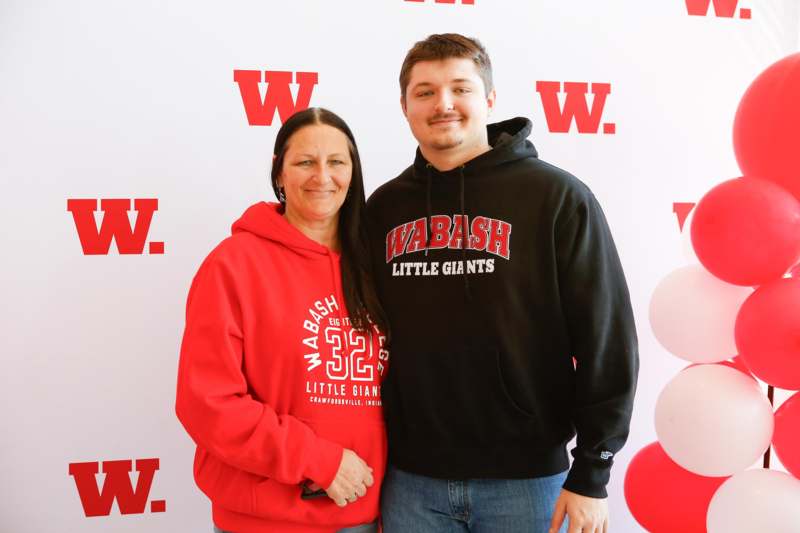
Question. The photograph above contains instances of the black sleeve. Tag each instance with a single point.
(603, 340)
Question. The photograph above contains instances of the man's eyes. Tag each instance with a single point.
(457, 90)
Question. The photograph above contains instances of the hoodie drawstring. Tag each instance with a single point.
(429, 208)
(429, 216)
(463, 232)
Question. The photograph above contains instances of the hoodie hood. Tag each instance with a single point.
(509, 142)
(266, 220)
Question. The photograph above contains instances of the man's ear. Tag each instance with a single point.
(403, 105)
(491, 98)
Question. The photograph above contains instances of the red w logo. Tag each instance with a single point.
(722, 8)
(575, 107)
(115, 225)
(278, 95)
(682, 210)
(116, 486)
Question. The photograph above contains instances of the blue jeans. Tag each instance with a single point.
(365, 528)
(419, 504)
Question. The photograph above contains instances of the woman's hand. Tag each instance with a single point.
(351, 481)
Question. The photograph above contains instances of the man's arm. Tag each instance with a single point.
(603, 340)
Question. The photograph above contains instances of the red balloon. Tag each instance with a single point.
(767, 333)
(766, 130)
(786, 439)
(665, 498)
(736, 363)
(746, 231)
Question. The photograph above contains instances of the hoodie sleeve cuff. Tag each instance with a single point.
(322, 468)
(588, 479)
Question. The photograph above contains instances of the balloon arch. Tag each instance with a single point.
(736, 316)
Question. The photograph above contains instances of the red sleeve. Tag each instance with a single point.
(213, 403)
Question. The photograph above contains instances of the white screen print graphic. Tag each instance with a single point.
(354, 365)
(347, 353)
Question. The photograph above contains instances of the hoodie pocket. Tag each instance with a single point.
(457, 398)
(367, 438)
(251, 494)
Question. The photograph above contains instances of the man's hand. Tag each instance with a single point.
(351, 481)
(586, 515)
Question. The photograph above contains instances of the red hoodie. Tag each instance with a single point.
(273, 382)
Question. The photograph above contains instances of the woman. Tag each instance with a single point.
(282, 359)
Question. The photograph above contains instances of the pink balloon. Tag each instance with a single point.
(756, 501)
(693, 314)
(768, 333)
(766, 130)
(713, 420)
(652, 479)
(746, 231)
(786, 441)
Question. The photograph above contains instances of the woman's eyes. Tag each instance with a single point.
(308, 162)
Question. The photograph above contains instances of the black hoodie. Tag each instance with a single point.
(484, 330)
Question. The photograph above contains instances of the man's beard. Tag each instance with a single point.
(447, 144)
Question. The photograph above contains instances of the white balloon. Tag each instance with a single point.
(693, 314)
(754, 501)
(714, 420)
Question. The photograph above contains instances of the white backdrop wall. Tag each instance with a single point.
(104, 99)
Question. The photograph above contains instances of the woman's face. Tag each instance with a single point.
(316, 174)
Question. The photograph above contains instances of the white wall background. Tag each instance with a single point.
(106, 99)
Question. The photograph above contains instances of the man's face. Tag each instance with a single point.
(447, 106)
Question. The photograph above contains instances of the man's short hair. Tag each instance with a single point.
(442, 46)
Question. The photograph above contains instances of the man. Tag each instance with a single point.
(495, 270)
